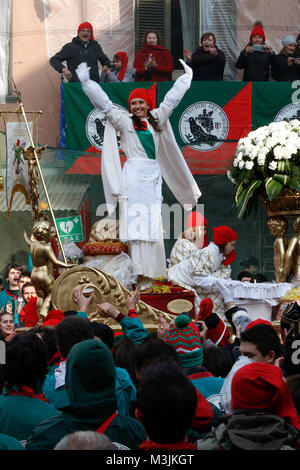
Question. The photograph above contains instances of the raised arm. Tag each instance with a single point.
(94, 91)
(175, 94)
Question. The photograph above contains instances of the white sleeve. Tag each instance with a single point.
(97, 96)
(175, 95)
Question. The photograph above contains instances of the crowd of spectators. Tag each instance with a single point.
(73, 384)
(155, 63)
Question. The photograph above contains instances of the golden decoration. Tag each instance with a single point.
(180, 305)
(106, 288)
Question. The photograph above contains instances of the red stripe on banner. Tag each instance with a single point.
(239, 114)
(86, 165)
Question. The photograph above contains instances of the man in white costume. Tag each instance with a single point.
(147, 139)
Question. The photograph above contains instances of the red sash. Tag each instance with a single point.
(102, 428)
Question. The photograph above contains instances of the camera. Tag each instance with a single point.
(258, 47)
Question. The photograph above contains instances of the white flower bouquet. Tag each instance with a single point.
(266, 161)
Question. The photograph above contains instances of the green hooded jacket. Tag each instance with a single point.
(90, 384)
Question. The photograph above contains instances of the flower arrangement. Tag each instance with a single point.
(161, 285)
(265, 162)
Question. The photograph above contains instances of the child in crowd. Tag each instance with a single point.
(121, 72)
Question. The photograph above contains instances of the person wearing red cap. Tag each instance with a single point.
(83, 47)
(153, 62)
(256, 58)
(263, 417)
(121, 72)
(204, 267)
(208, 61)
(147, 139)
(192, 239)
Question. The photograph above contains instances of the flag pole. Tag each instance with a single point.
(39, 168)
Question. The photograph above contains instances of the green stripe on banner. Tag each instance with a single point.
(273, 101)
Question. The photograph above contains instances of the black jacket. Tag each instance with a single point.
(75, 52)
(206, 66)
(256, 66)
(281, 71)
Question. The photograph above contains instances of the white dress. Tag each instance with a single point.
(198, 274)
(138, 187)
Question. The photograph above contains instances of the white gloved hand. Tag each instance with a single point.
(83, 72)
(187, 69)
(224, 291)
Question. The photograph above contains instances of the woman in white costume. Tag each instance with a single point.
(201, 270)
(192, 239)
(147, 139)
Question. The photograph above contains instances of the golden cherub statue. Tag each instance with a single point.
(278, 226)
(43, 260)
(292, 254)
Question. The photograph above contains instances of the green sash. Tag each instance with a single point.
(147, 141)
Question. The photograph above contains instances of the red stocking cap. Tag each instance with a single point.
(261, 386)
(124, 59)
(146, 95)
(258, 30)
(258, 321)
(223, 234)
(206, 308)
(31, 316)
(195, 219)
(88, 26)
(53, 317)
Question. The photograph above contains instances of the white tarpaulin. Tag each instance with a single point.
(112, 21)
(5, 11)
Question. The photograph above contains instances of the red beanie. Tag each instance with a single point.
(223, 235)
(143, 94)
(258, 30)
(88, 26)
(53, 317)
(124, 59)
(206, 308)
(258, 321)
(195, 219)
(261, 386)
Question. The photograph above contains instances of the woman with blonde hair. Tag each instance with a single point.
(285, 66)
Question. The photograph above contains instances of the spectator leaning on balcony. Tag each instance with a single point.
(83, 48)
(286, 64)
(207, 62)
(255, 59)
(153, 62)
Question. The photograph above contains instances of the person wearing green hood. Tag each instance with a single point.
(90, 384)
